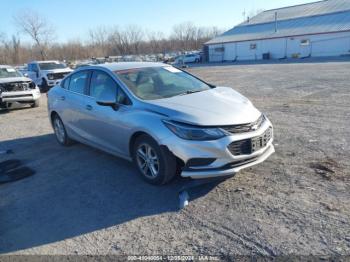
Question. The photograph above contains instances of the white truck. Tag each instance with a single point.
(14, 87)
(47, 74)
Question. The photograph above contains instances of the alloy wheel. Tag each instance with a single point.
(148, 161)
(59, 130)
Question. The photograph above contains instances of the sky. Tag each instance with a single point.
(72, 19)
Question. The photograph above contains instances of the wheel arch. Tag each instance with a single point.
(137, 134)
(133, 138)
(52, 114)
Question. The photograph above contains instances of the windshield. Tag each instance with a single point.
(160, 82)
(50, 66)
(9, 72)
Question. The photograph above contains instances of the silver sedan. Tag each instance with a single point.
(164, 119)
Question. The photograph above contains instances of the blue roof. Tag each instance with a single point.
(293, 23)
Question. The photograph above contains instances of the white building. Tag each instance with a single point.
(310, 30)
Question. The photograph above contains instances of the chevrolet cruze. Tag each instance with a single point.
(165, 120)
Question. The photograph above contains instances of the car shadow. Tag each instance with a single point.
(15, 107)
(76, 190)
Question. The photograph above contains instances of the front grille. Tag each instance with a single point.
(242, 147)
(244, 128)
(59, 75)
(240, 163)
(16, 86)
(251, 145)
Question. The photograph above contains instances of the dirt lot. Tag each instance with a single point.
(83, 201)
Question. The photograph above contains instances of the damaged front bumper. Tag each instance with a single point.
(209, 159)
(229, 169)
(20, 96)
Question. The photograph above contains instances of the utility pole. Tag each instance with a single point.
(275, 22)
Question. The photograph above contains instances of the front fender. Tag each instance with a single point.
(149, 123)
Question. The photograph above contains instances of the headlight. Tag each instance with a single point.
(50, 76)
(194, 133)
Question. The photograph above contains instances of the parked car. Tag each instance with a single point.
(46, 74)
(14, 87)
(189, 58)
(22, 69)
(162, 118)
(80, 65)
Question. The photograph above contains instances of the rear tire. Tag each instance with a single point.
(156, 164)
(60, 131)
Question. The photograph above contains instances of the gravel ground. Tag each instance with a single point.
(83, 201)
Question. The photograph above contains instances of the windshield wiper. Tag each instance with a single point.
(188, 92)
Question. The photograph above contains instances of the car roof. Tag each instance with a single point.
(129, 65)
(46, 61)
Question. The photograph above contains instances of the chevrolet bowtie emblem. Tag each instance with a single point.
(255, 127)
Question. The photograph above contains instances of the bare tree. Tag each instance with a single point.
(37, 27)
(16, 44)
(156, 42)
(10, 49)
(102, 41)
(184, 34)
(117, 42)
(187, 36)
(133, 35)
(3, 59)
(99, 40)
(2, 36)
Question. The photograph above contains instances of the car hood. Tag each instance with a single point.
(63, 70)
(219, 106)
(14, 79)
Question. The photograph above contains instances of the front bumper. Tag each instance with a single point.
(20, 96)
(227, 171)
(225, 163)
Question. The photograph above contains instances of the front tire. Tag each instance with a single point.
(60, 131)
(35, 104)
(156, 164)
(44, 87)
(5, 105)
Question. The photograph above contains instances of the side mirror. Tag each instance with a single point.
(25, 74)
(110, 103)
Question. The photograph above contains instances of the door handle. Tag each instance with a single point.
(88, 107)
(63, 98)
